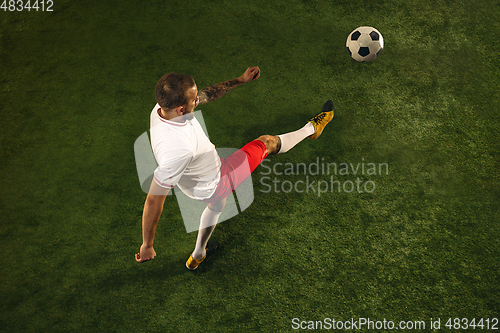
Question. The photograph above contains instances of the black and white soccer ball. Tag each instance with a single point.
(365, 44)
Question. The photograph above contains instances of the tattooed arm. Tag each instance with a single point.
(212, 93)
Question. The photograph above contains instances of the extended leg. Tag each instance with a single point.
(277, 144)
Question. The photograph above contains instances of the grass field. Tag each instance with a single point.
(76, 91)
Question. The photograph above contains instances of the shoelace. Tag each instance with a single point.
(319, 117)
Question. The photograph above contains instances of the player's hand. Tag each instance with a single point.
(146, 253)
(251, 74)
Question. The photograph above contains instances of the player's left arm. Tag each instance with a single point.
(216, 91)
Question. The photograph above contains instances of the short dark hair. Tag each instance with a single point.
(171, 90)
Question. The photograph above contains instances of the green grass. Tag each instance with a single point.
(77, 89)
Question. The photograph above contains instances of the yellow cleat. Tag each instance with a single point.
(193, 264)
(321, 120)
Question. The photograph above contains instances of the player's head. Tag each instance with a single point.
(177, 91)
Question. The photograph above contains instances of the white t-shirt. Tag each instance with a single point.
(185, 156)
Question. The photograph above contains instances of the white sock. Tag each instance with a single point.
(289, 140)
(207, 225)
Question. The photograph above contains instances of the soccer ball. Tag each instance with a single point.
(365, 44)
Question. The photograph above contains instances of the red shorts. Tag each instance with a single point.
(236, 168)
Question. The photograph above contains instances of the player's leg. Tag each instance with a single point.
(277, 144)
(251, 155)
(272, 143)
(208, 221)
(255, 151)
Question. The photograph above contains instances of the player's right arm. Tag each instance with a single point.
(153, 208)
